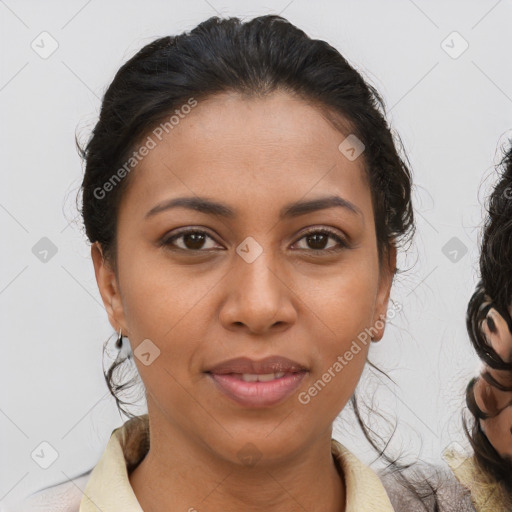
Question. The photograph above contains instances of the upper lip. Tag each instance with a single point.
(271, 364)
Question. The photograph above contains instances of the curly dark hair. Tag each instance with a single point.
(493, 290)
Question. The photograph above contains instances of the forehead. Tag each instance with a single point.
(272, 150)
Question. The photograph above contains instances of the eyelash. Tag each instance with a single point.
(342, 243)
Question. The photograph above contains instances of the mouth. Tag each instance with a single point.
(257, 390)
(257, 377)
(257, 383)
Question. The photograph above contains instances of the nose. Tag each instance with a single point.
(258, 296)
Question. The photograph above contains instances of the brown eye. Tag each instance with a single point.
(191, 240)
(318, 238)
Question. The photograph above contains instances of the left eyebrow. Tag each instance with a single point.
(313, 205)
(292, 210)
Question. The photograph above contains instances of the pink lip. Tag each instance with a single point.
(257, 394)
(271, 364)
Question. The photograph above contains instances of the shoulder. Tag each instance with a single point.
(425, 487)
(62, 497)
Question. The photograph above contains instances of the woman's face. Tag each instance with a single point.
(248, 284)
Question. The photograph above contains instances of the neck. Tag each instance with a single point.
(180, 474)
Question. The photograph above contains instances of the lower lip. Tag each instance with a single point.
(258, 394)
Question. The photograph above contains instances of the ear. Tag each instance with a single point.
(109, 289)
(387, 273)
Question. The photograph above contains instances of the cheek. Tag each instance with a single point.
(164, 309)
(156, 292)
(164, 306)
(341, 333)
(334, 379)
(345, 303)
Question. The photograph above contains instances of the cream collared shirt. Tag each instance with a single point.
(109, 489)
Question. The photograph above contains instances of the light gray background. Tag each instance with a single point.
(452, 115)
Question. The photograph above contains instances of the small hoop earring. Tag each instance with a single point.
(119, 341)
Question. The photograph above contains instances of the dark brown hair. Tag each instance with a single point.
(493, 290)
